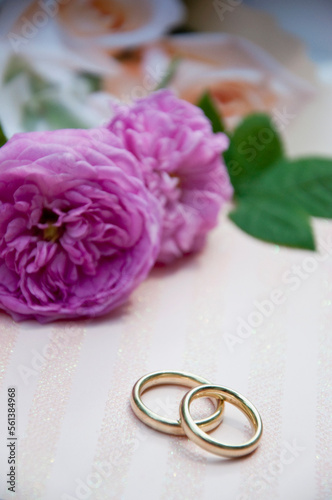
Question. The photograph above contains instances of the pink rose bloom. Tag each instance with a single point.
(182, 166)
(78, 228)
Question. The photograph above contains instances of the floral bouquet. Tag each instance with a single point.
(124, 146)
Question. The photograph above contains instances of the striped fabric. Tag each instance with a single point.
(77, 436)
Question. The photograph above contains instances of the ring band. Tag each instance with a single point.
(202, 439)
(164, 424)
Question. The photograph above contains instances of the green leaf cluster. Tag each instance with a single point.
(274, 196)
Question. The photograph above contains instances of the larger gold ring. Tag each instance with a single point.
(164, 424)
(202, 439)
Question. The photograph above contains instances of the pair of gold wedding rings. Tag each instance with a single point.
(196, 430)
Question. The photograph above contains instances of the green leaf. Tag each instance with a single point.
(254, 147)
(207, 106)
(274, 219)
(15, 66)
(170, 73)
(307, 181)
(3, 138)
(50, 112)
(94, 81)
(18, 66)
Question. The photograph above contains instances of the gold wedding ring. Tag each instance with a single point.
(195, 434)
(164, 424)
(196, 430)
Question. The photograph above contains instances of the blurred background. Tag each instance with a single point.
(63, 63)
(310, 21)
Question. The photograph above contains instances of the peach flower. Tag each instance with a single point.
(240, 76)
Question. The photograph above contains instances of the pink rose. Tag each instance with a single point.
(78, 228)
(182, 166)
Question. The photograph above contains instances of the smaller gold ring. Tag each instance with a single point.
(195, 434)
(165, 424)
